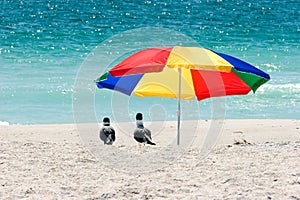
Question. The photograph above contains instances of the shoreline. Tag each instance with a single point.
(269, 129)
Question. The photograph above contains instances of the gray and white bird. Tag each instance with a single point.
(107, 132)
(142, 134)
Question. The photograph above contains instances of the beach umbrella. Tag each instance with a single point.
(182, 73)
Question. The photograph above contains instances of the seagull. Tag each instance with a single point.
(107, 132)
(142, 134)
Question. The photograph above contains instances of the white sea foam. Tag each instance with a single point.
(4, 123)
(270, 67)
(288, 87)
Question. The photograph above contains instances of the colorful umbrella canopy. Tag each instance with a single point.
(183, 73)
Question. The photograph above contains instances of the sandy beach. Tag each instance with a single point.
(241, 159)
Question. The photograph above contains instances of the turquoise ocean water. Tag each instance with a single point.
(44, 43)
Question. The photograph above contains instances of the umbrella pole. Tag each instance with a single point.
(178, 112)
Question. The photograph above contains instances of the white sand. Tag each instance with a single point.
(70, 162)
